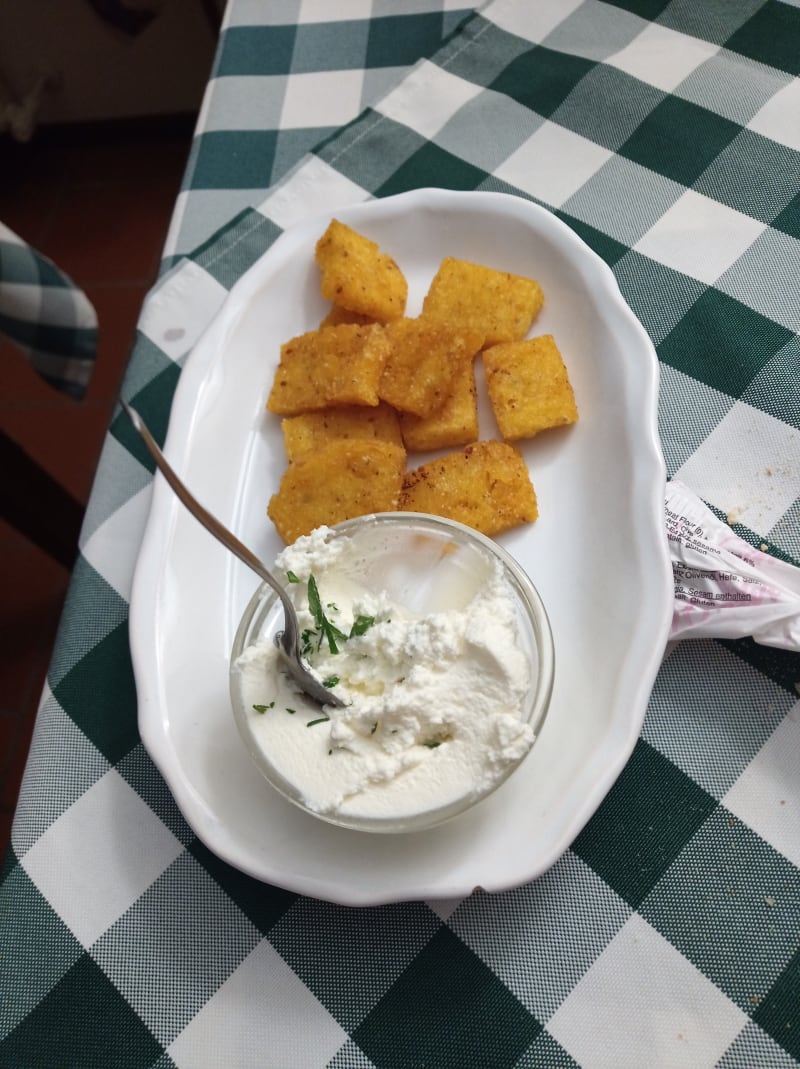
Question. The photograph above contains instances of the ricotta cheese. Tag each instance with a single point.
(434, 700)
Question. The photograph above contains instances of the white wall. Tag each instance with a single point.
(104, 73)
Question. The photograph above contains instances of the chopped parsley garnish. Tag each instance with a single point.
(292, 711)
(432, 743)
(319, 720)
(361, 625)
(263, 708)
(325, 629)
(331, 681)
(374, 728)
(292, 577)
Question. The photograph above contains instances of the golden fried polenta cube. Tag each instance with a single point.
(314, 430)
(501, 305)
(333, 366)
(349, 477)
(338, 315)
(424, 358)
(486, 486)
(528, 386)
(455, 423)
(358, 276)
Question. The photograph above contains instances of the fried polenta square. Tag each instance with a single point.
(486, 486)
(528, 386)
(338, 315)
(333, 366)
(501, 305)
(349, 477)
(454, 424)
(423, 360)
(358, 276)
(314, 430)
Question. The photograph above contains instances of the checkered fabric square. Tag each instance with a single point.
(286, 76)
(665, 133)
(46, 315)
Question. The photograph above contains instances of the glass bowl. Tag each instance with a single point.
(425, 564)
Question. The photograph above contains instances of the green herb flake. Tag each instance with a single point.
(291, 711)
(263, 708)
(319, 720)
(361, 625)
(292, 578)
(432, 743)
(374, 728)
(331, 681)
(325, 629)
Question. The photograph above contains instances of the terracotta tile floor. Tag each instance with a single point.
(99, 204)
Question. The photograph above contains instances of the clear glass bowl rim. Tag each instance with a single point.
(262, 604)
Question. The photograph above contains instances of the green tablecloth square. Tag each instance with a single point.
(776, 388)
(777, 1009)
(139, 772)
(731, 85)
(585, 110)
(213, 152)
(541, 79)
(546, 1051)
(754, 175)
(228, 257)
(255, 50)
(679, 139)
(760, 276)
(432, 166)
(83, 1021)
(83, 694)
(511, 929)
(722, 342)
(789, 219)
(350, 1056)
(261, 903)
(38, 947)
(659, 296)
(676, 395)
(638, 832)
(153, 403)
(646, 9)
(449, 1010)
(175, 946)
(716, 22)
(402, 39)
(481, 65)
(503, 124)
(627, 216)
(729, 903)
(350, 958)
(606, 247)
(771, 36)
(370, 150)
(709, 729)
(594, 31)
(291, 145)
(779, 665)
(331, 46)
(101, 611)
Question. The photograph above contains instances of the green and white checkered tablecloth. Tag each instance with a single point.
(667, 134)
(46, 315)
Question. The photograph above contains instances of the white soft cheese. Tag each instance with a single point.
(434, 701)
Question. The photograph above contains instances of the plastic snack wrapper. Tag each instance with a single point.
(724, 588)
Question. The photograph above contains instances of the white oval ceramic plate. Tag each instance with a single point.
(598, 555)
